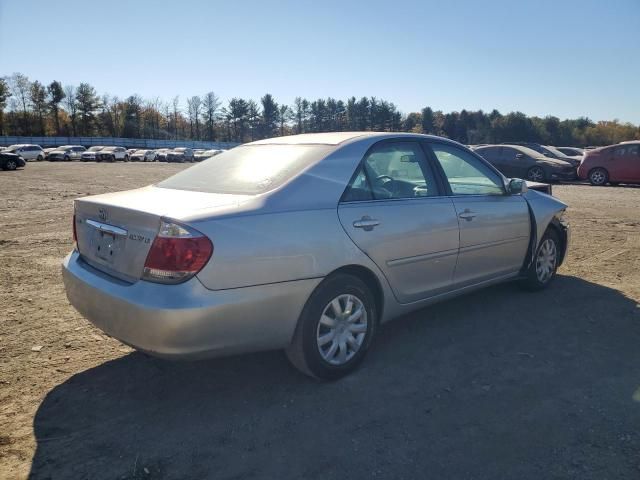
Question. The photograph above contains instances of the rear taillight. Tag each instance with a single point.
(177, 254)
(75, 233)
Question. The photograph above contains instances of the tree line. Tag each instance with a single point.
(30, 108)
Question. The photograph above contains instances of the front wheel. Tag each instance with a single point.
(536, 174)
(598, 177)
(335, 329)
(545, 264)
(10, 164)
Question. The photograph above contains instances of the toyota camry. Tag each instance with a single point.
(305, 243)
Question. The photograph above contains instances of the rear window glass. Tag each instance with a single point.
(248, 170)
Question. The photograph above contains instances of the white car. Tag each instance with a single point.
(66, 153)
(143, 156)
(28, 152)
(90, 155)
(112, 154)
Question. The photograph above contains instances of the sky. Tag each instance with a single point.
(567, 58)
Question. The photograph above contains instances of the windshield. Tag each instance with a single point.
(248, 170)
(108, 149)
(555, 152)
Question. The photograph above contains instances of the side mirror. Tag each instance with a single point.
(517, 186)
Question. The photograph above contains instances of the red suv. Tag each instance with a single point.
(614, 164)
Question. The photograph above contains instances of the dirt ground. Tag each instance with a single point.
(497, 384)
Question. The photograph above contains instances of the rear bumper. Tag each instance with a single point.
(186, 320)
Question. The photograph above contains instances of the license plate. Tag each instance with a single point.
(105, 246)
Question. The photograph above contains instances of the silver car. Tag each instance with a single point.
(305, 243)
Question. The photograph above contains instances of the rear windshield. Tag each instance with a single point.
(248, 170)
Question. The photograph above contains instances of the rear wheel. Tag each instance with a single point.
(335, 329)
(40, 158)
(536, 174)
(598, 177)
(545, 264)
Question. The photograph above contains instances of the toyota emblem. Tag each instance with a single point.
(102, 214)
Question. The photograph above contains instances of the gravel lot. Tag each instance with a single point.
(497, 384)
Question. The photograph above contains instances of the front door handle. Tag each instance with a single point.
(366, 223)
(468, 215)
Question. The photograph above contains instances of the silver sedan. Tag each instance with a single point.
(306, 243)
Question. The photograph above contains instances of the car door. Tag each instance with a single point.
(394, 213)
(514, 163)
(494, 226)
(624, 165)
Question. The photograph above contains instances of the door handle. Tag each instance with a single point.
(366, 223)
(468, 215)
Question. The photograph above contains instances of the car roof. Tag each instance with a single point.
(526, 150)
(338, 138)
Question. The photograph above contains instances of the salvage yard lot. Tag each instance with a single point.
(497, 384)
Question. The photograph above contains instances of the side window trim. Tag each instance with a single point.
(441, 173)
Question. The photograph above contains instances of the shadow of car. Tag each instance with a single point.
(501, 384)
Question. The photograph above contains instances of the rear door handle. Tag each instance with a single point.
(468, 215)
(366, 223)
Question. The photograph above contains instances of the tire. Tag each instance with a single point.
(40, 158)
(126, 158)
(536, 174)
(67, 159)
(346, 341)
(543, 269)
(598, 177)
(10, 164)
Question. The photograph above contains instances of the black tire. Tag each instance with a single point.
(10, 164)
(67, 159)
(598, 177)
(40, 158)
(536, 174)
(305, 353)
(534, 279)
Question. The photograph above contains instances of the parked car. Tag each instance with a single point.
(572, 151)
(613, 164)
(547, 151)
(203, 155)
(180, 155)
(161, 154)
(319, 238)
(11, 161)
(130, 151)
(27, 151)
(112, 154)
(66, 153)
(47, 151)
(90, 155)
(143, 156)
(523, 162)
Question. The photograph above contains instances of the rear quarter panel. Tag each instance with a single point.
(276, 247)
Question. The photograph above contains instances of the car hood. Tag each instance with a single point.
(554, 162)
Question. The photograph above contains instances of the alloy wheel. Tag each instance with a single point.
(536, 174)
(598, 177)
(11, 165)
(342, 329)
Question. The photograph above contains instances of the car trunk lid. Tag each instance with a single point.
(115, 231)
